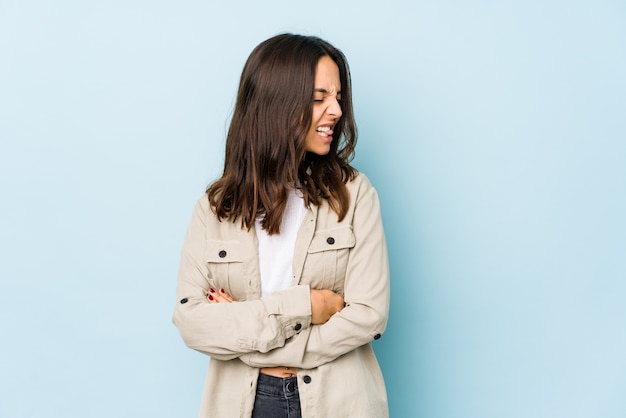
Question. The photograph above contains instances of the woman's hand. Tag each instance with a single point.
(218, 296)
(324, 304)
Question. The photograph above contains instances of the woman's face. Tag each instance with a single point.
(326, 107)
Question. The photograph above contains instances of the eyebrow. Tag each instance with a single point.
(324, 91)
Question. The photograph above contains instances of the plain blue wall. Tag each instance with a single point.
(494, 132)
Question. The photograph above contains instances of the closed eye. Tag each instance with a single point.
(325, 93)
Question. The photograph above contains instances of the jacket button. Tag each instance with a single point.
(184, 300)
(377, 336)
(307, 379)
(298, 327)
(222, 254)
(330, 240)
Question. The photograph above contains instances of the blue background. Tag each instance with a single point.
(494, 132)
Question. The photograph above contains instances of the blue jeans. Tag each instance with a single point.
(276, 398)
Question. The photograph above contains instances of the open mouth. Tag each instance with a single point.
(324, 131)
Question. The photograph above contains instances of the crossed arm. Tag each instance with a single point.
(297, 327)
(324, 303)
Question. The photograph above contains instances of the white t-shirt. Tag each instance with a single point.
(276, 251)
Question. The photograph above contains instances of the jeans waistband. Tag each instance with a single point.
(276, 386)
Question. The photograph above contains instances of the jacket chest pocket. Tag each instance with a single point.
(225, 261)
(327, 259)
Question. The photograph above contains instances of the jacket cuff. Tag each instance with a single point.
(292, 307)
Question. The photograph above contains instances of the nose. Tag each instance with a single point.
(334, 108)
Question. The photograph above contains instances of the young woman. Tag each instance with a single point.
(284, 278)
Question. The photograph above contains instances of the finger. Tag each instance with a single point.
(220, 299)
(225, 295)
(210, 298)
(221, 296)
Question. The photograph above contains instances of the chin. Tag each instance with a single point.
(320, 151)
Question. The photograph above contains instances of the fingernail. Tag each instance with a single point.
(210, 297)
(212, 290)
(222, 291)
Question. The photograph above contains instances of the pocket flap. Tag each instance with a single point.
(219, 251)
(332, 239)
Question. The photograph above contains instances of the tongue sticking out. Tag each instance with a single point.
(324, 131)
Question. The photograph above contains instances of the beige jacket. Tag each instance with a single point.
(338, 375)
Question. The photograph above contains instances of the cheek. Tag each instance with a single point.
(318, 111)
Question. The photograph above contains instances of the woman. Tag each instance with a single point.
(284, 278)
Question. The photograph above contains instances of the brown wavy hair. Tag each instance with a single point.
(265, 146)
